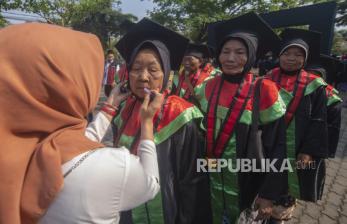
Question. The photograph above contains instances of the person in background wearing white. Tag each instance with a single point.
(109, 73)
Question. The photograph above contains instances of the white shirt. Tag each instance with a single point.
(110, 180)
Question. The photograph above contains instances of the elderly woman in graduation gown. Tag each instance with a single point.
(151, 51)
(306, 115)
(196, 70)
(237, 107)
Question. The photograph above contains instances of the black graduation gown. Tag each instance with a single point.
(267, 139)
(311, 137)
(184, 191)
(334, 121)
(273, 185)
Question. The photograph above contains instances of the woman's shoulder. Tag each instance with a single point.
(176, 114)
(269, 93)
(174, 106)
(105, 154)
(314, 83)
(177, 102)
(271, 105)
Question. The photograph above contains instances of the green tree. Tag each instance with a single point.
(340, 42)
(191, 17)
(7, 5)
(105, 23)
(101, 17)
(3, 22)
(342, 13)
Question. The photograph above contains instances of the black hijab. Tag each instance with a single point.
(300, 43)
(250, 41)
(163, 53)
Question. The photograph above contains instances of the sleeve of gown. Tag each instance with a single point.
(98, 128)
(334, 121)
(315, 141)
(273, 138)
(142, 177)
(193, 189)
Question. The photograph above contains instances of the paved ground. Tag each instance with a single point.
(333, 207)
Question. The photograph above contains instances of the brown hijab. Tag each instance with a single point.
(50, 79)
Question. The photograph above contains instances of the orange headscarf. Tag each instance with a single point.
(50, 79)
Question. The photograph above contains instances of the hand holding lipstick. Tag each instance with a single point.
(151, 106)
(148, 109)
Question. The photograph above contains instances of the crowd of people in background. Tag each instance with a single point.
(249, 95)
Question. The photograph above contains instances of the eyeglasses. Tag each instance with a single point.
(154, 73)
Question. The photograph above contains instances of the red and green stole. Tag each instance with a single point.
(332, 96)
(195, 79)
(216, 145)
(298, 90)
(296, 87)
(175, 112)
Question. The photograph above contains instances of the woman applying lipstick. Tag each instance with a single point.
(151, 51)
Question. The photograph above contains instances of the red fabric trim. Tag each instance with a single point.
(329, 90)
(196, 79)
(110, 74)
(134, 123)
(123, 73)
(293, 105)
(216, 148)
(288, 83)
(173, 107)
(269, 94)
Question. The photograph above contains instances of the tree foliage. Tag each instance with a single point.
(340, 42)
(192, 16)
(7, 5)
(342, 13)
(105, 23)
(101, 17)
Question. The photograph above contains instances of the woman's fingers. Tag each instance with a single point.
(157, 100)
(304, 160)
(263, 214)
(264, 208)
(145, 101)
(150, 107)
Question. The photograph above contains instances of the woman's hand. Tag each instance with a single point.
(304, 161)
(116, 97)
(149, 108)
(147, 112)
(264, 207)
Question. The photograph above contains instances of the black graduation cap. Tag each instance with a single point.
(198, 50)
(312, 38)
(329, 64)
(146, 29)
(211, 35)
(126, 25)
(249, 23)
